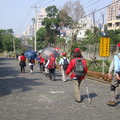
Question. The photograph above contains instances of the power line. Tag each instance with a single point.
(38, 2)
(24, 20)
(93, 3)
(24, 26)
(47, 3)
(99, 9)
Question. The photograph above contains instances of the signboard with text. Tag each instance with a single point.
(104, 47)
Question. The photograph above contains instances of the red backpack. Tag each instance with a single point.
(51, 64)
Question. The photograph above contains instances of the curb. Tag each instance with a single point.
(99, 80)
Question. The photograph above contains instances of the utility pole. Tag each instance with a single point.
(35, 28)
(13, 43)
(33, 20)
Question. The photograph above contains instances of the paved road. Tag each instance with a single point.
(25, 96)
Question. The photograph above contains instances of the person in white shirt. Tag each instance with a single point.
(61, 63)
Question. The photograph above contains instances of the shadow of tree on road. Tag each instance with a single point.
(19, 84)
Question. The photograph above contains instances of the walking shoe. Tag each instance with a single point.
(117, 97)
(77, 101)
(64, 80)
(50, 77)
(53, 79)
(111, 103)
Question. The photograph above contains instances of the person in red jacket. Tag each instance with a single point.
(22, 62)
(76, 80)
(41, 63)
(51, 65)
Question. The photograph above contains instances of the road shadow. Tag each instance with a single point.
(91, 95)
(18, 84)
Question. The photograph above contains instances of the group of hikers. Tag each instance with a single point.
(77, 66)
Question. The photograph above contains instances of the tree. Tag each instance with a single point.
(6, 39)
(7, 42)
(51, 23)
(114, 35)
(52, 11)
(75, 10)
(41, 38)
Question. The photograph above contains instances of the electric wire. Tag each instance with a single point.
(24, 20)
(99, 10)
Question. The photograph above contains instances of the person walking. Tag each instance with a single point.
(22, 62)
(31, 64)
(115, 66)
(38, 59)
(63, 64)
(41, 63)
(77, 55)
(51, 65)
(46, 72)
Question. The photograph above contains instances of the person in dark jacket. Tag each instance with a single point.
(76, 80)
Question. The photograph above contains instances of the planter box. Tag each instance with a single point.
(98, 75)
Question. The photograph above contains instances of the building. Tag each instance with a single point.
(40, 17)
(85, 23)
(113, 15)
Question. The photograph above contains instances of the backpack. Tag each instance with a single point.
(32, 61)
(79, 68)
(52, 64)
(65, 63)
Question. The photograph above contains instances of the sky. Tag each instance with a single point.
(17, 14)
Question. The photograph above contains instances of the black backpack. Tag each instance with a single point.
(79, 68)
(65, 63)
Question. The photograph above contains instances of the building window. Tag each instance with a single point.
(40, 18)
(117, 24)
(40, 15)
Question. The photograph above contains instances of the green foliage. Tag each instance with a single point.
(114, 35)
(52, 11)
(54, 21)
(77, 45)
(7, 42)
(60, 40)
(94, 67)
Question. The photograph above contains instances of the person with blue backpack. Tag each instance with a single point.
(64, 62)
(78, 69)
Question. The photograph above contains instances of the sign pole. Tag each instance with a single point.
(103, 70)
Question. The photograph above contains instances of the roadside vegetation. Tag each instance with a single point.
(53, 34)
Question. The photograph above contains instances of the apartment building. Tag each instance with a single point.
(40, 17)
(113, 15)
(85, 23)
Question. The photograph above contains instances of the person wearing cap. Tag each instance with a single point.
(61, 63)
(76, 80)
(51, 65)
(115, 66)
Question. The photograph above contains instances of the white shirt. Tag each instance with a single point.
(62, 61)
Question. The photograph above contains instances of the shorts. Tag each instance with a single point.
(115, 82)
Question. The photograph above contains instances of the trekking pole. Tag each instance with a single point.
(88, 95)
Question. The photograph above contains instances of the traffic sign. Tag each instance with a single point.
(104, 47)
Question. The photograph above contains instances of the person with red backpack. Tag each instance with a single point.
(51, 65)
(78, 68)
